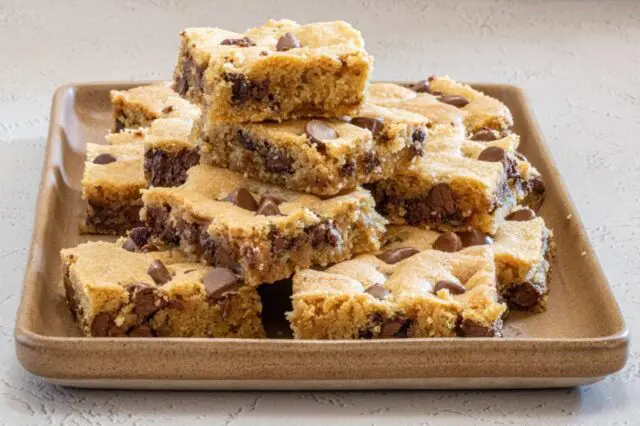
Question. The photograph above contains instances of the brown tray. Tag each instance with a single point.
(579, 340)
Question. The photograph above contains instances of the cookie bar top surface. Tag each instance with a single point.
(396, 129)
(317, 39)
(522, 241)
(113, 169)
(103, 264)
(115, 293)
(400, 293)
(413, 277)
(157, 101)
(206, 188)
(163, 131)
(446, 102)
(451, 169)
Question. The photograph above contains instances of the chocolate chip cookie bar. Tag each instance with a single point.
(524, 179)
(446, 191)
(522, 245)
(278, 71)
(319, 156)
(452, 107)
(139, 106)
(400, 292)
(168, 150)
(116, 293)
(263, 232)
(111, 186)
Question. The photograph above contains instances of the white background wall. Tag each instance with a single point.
(578, 61)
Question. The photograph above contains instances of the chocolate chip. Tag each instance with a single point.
(239, 42)
(421, 86)
(104, 159)
(484, 135)
(129, 245)
(141, 331)
(286, 42)
(277, 200)
(167, 110)
(370, 161)
(440, 199)
(278, 161)
(378, 291)
(143, 299)
(242, 198)
(317, 131)
(373, 124)
(278, 243)
(493, 154)
(522, 215)
(175, 304)
(453, 287)
(268, 208)
(140, 236)
(456, 101)
(220, 281)
(242, 89)
(158, 272)
(418, 135)
(396, 255)
(474, 237)
(100, 324)
(468, 328)
(448, 242)
(391, 328)
(523, 296)
(348, 168)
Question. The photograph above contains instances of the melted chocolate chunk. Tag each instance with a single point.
(105, 158)
(453, 287)
(242, 198)
(474, 237)
(522, 215)
(238, 42)
(397, 255)
(524, 296)
(448, 242)
(158, 272)
(456, 101)
(163, 169)
(220, 281)
(286, 42)
(373, 124)
(378, 291)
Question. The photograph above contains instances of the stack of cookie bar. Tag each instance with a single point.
(397, 210)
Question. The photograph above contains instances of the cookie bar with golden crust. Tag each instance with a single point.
(116, 293)
(168, 150)
(523, 246)
(263, 232)
(447, 191)
(318, 156)
(139, 106)
(111, 186)
(449, 105)
(279, 71)
(400, 292)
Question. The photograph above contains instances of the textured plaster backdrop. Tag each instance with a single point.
(578, 61)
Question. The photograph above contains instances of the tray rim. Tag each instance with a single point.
(27, 341)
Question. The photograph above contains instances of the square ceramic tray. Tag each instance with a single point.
(580, 339)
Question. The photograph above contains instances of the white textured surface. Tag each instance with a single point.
(579, 62)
